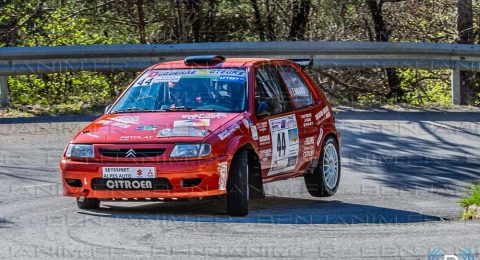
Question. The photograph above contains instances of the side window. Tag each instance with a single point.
(301, 95)
(270, 90)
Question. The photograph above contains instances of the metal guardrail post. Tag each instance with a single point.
(455, 82)
(4, 91)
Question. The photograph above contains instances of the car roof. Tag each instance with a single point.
(227, 63)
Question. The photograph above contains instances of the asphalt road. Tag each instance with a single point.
(403, 174)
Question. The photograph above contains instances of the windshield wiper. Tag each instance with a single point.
(136, 110)
(164, 108)
(176, 108)
(203, 109)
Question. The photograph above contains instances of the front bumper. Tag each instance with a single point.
(177, 174)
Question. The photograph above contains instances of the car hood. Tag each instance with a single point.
(159, 127)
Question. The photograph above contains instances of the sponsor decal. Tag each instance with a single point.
(146, 127)
(307, 120)
(120, 125)
(307, 154)
(293, 135)
(226, 72)
(309, 140)
(176, 72)
(225, 133)
(121, 121)
(246, 123)
(168, 78)
(322, 115)
(232, 79)
(228, 75)
(222, 170)
(132, 120)
(152, 74)
(327, 115)
(202, 72)
(129, 184)
(300, 91)
(308, 151)
(285, 144)
(265, 154)
(254, 132)
(182, 131)
(118, 176)
(192, 122)
(128, 172)
(135, 137)
(204, 115)
(262, 127)
(320, 136)
(264, 139)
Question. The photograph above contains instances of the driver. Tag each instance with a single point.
(194, 96)
(178, 94)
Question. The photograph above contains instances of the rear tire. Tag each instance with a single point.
(325, 179)
(88, 203)
(237, 185)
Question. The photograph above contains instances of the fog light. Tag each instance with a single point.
(74, 182)
(191, 182)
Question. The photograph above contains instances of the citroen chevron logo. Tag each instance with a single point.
(131, 154)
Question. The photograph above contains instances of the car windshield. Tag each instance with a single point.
(186, 89)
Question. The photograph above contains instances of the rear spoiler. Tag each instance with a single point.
(303, 63)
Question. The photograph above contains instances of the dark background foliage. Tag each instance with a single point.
(71, 22)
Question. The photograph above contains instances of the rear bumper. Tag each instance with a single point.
(177, 174)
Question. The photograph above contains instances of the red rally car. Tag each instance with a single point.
(206, 126)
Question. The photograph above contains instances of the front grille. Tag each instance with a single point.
(131, 184)
(131, 153)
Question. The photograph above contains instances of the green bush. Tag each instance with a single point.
(426, 87)
(70, 92)
(473, 197)
(65, 92)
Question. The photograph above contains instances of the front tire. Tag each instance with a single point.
(88, 203)
(237, 185)
(325, 179)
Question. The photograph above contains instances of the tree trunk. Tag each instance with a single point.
(179, 21)
(270, 9)
(258, 20)
(466, 35)
(141, 21)
(194, 17)
(382, 34)
(301, 10)
(212, 6)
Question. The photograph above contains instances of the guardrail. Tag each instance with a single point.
(135, 57)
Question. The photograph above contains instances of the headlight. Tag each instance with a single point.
(191, 150)
(80, 151)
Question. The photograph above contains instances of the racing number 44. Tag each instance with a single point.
(281, 144)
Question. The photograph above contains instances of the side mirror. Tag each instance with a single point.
(107, 109)
(262, 109)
